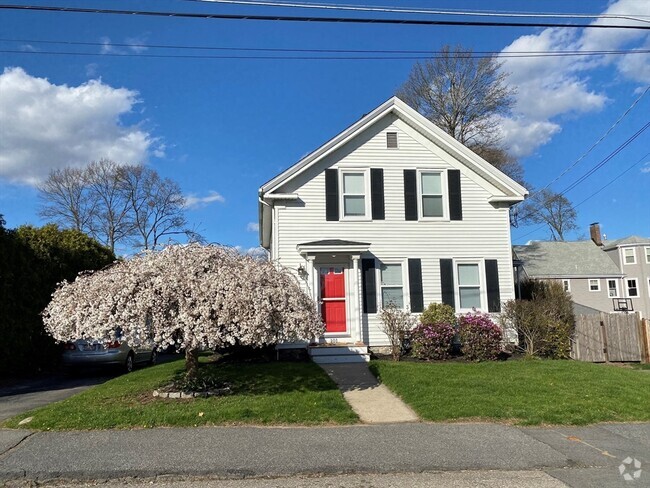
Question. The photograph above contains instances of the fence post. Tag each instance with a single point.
(644, 337)
(603, 332)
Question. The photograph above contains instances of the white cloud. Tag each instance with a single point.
(646, 168)
(133, 44)
(551, 87)
(254, 252)
(193, 201)
(47, 126)
(253, 227)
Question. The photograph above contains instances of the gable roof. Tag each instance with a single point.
(511, 190)
(630, 240)
(565, 259)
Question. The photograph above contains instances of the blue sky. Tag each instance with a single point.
(222, 127)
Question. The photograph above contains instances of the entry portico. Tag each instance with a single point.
(334, 278)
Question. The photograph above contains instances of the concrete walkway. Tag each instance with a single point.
(372, 402)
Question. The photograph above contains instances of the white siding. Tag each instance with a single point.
(483, 233)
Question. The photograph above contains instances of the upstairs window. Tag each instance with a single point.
(632, 288)
(392, 285)
(647, 255)
(566, 284)
(355, 194)
(594, 285)
(612, 288)
(431, 196)
(629, 256)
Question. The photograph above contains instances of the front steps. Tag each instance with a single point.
(339, 353)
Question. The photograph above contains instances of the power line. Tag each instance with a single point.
(426, 53)
(612, 181)
(427, 11)
(606, 160)
(598, 166)
(336, 20)
(593, 146)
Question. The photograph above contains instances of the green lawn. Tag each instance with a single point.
(526, 392)
(263, 393)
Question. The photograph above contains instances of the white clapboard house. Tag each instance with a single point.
(392, 209)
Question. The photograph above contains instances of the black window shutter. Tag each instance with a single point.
(415, 285)
(377, 193)
(369, 286)
(492, 285)
(455, 198)
(331, 194)
(447, 282)
(410, 194)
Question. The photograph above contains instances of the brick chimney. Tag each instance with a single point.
(594, 230)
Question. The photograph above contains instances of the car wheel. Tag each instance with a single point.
(128, 364)
(154, 357)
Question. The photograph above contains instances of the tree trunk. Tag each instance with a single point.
(192, 362)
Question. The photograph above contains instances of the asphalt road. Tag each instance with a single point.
(462, 479)
(580, 457)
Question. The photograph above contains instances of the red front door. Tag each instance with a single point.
(332, 293)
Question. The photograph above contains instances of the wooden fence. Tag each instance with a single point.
(611, 337)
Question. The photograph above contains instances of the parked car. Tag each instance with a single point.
(117, 353)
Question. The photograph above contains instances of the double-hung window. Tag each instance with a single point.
(612, 288)
(566, 284)
(355, 194)
(392, 285)
(594, 285)
(431, 194)
(632, 288)
(647, 255)
(469, 285)
(629, 256)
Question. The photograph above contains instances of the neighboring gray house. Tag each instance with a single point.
(632, 256)
(392, 209)
(601, 275)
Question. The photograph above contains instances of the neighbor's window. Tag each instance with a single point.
(612, 288)
(594, 285)
(629, 255)
(431, 193)
(469, 286)
(567, 285)
(647, 255)
(392, 288)
(354, 194)
(632, 288)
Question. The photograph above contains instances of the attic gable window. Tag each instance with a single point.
(391, 140)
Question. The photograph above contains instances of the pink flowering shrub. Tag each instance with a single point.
(191, 296)
(432, 341)
(480, 337)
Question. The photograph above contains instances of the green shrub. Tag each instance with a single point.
(432, 341)
(544, 320)
(480, 337)
(439, 313)
(32, 262)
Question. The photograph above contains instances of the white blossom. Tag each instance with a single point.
(191, 296)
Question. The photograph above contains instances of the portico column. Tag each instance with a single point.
(356, 309)
(311, 270)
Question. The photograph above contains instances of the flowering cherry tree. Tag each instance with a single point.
(191, 296)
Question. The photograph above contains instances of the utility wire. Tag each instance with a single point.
(593, 146)
(598, 166)
(427, 11)
(334, 20)
(377, 53)
(428, 54)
